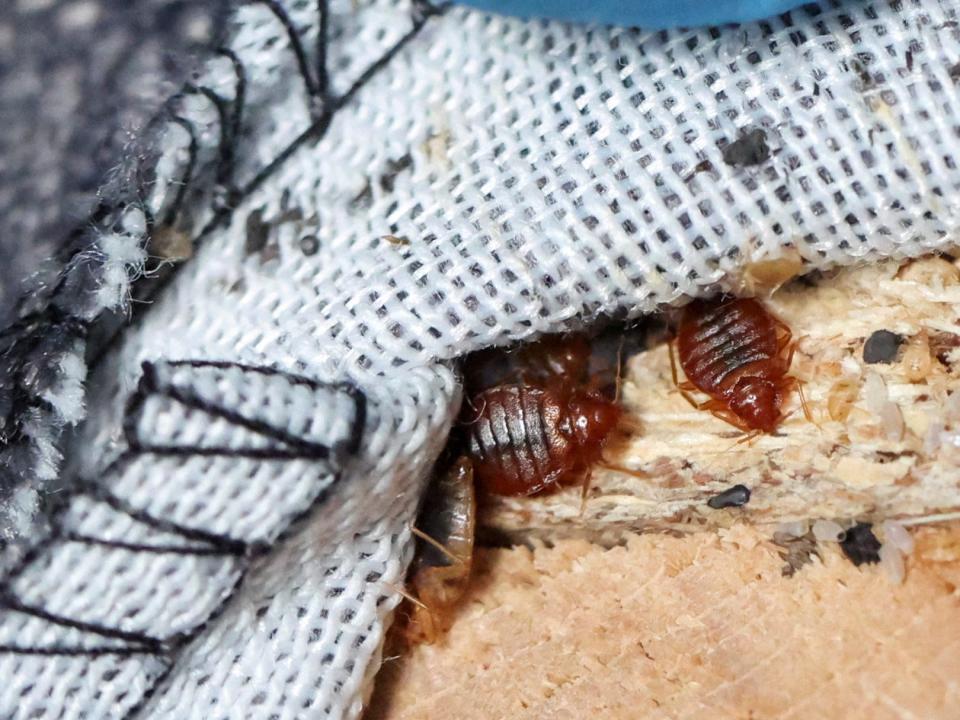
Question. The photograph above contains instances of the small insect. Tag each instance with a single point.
(525, 439)
(739, 355)
(441, 568)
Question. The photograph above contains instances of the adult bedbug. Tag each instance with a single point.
(738, 354)
(527, 437)
(537, 426)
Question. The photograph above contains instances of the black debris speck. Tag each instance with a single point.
(882, 347)
(735, 496)
(309, 244)
(751, 149)
(257, 233)
(955, 73)
(860, 544)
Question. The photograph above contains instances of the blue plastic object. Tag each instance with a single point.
(649, 14)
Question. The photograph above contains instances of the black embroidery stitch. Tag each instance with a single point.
(193, 148)
(224, 170)
(167, 650)
(313, 133)
(240, 92)
(149, 386)
(304, 449)
(303, 65)
(93, 651)
(9, 601)
(227, 544)
(140, 548)
(214, 544)
(323, 32)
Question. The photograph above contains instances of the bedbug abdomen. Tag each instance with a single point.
(717, 342)
(738, 354)
(516, 441)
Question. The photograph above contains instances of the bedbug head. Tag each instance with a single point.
(592, 418)
(756, 401)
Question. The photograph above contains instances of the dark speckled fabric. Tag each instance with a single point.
(77, 80)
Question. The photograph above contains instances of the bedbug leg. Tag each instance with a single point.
(673, 363)
(404, 594)
(791, 347)
(749, 437)
(584, 490)
(620, 469)
(478, 412)
(437, 544)
(619, 376)
(798, 384)
(722, 412)
(786, 334)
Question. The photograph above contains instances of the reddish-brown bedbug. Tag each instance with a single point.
(738, 354)
(543, 432)
(530, 425)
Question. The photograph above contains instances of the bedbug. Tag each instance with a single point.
(441, 569)
(524, 439)
(739, 355)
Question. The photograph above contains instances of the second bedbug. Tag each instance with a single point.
(545, 431)
(738, 354)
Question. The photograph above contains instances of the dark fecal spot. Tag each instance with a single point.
(863, 74)
(394, 168)
(736, 496)
(955, 73)
(882, 346)
(860, 544)
(362, 200)
(751, 149)
(257, 233)
(309, 244)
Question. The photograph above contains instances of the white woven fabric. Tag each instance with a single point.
(235, 545)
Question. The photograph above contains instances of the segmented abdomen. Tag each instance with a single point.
(515, 441)
(720, 342)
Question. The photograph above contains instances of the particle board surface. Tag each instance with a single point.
(699, 626)
(884, 441)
